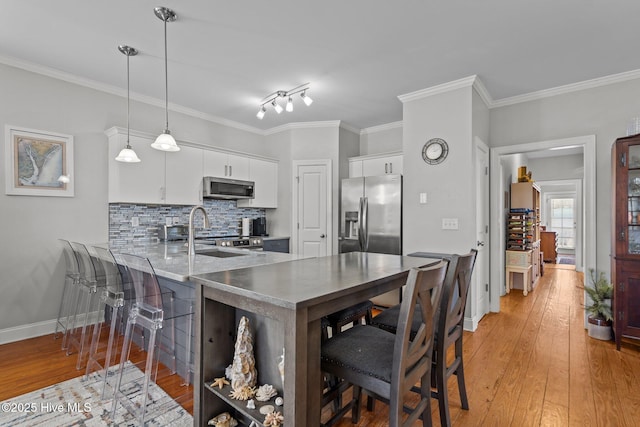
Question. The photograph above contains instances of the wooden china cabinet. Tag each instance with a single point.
(625, 237)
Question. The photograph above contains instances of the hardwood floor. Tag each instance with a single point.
(532, 364)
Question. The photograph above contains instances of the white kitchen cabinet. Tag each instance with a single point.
(264, 174)
(183, 176)
(378, 164)
(135, 182)
(226, 165)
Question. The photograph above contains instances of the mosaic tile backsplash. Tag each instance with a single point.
(225, 219)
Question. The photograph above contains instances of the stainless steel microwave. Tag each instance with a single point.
(228, 189)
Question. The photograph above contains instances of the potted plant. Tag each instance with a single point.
(600, 314)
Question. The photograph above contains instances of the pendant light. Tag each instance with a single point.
(127, 154)
(164, 141)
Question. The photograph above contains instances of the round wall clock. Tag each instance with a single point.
(435, 151)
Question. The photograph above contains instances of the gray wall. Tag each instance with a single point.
(30, 257)
(603, 111)
(381, 139)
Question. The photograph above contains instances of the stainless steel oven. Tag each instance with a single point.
(252, 243)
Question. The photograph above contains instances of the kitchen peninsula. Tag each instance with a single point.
(173, 267)
(287, 301)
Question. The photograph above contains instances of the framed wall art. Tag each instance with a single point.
(38, 163)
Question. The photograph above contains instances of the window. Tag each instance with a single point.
(563, 222)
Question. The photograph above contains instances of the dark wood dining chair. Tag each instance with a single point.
(387, 365)
(448, 332)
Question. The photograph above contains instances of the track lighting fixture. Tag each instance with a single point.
(164, 141)
(285, 94)
(127, 155)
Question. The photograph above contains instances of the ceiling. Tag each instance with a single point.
(358, 55)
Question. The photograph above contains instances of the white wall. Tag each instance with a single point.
(449, 185)
(557, 168)
(30, 258)
(603, 111)
(381, 139)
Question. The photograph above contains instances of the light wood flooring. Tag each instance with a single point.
(532, 364)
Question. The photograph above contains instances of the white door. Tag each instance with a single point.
(481, 269)
(312, 217)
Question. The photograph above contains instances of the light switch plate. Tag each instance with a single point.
(449, 223)
(168, 220)
(135, 221)
(423, 198)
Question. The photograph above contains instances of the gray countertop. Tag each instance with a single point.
(170, 259)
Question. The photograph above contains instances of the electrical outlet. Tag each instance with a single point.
(423, 198)
(176, 220)
(449, 223)
(135, 221)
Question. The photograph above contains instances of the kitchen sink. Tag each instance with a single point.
(218, 253)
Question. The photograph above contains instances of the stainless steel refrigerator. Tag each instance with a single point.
(371, 219)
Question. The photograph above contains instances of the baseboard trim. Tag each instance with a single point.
(470, 324)
(37, 329)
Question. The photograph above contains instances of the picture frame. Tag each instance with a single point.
(38, 163)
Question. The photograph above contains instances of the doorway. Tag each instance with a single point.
(499, 193)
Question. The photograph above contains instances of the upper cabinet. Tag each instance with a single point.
(378, 164)
(226, 165)
(264, 174)
(135, 182)
(176, 178)
(183, 176)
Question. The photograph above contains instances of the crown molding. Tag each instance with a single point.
(113, 90)
(483, 92)
(350, 128)
(434, 90)
(381, 128)
(303, 125)
(573, 87)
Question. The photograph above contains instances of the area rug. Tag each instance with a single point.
(567, 259)
(77, 402)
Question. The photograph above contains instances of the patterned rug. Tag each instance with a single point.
(77, 402)
(567, 259)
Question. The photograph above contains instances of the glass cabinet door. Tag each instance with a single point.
(633, 200)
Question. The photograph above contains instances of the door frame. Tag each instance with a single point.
(476, 314)
(576, 193)
(294, 201)
(496, 196)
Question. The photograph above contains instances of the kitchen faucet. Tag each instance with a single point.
(191, 246)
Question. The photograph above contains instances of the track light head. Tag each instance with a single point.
(276, 106)
(261, 113)
(289, 106)
(305, 98)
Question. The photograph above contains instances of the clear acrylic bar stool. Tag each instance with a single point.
(71, 281)
(92, 278)
(113, 296)
(150, 311)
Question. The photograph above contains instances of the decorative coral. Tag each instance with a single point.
(243, 368)
(243, 393)
(274, 419)
(266, 392)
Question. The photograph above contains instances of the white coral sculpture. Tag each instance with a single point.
(266, 392)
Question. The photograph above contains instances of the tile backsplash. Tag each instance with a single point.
(225, 219)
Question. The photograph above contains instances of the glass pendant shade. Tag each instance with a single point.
(306, 99)
(289, 106)
(127, 155)
(165, 142)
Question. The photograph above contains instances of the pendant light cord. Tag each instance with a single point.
(166, 78)
(128, 102)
